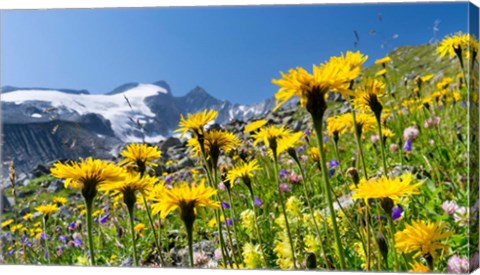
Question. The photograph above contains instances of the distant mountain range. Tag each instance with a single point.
(42, 125)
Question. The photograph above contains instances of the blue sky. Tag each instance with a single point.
(232, 52)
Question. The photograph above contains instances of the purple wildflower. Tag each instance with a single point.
(331, 172)
(408, 145)
(333, 163)
(77, 242)
(63, 238)
(381, 217)
(225, 205)
(284, 187)
(257, 201)
(397, 212)
(307, 133)
(325, 139)
(301, 149)
(43, 236)
(10, 252)
(295, 179)
(283, 173)
(71, 227)
(58, 229)
(168, 179)
(229, 222)
(104, 218)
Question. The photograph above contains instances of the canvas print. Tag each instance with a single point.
(327, 137)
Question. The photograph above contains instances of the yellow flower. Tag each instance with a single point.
(28, 216)
(187, 197)
(294, 206)
(385, 187)
(455, 43)
(195, 123)
(314, 154)
(334, 75)
(270, 135)
(243, 171)
(444, 83)
(214, 142)
(288, 142)
(367, 94)
(364, 122)
(17, 227)
(213, 221)
(60, 200)
(139, 228)
(129, 186)
(47, 209)
(7, 223)
(255, 125)
(421, 237)
(426, 78)
(382, 72)
(336, 126)
(88, 174)
(383, 60)
(252, 255)
(284, 253)
(140, 155)
(388, 133)
(248, 219)
(418, 268)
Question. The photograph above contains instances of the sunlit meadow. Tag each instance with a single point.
(380, 181)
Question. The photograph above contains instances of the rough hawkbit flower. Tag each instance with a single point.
(410, 133)
(284, 187)
(450, 207)
(408, 145)
(457, 264)
(225, 205)
(257, 201)
(397, 212)
(431, 122)
(374, 139)
(393, 147)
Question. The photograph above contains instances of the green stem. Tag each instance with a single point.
(280, 195)
(359, 144)
(318, 128)
(259, 237)
(229, 235)
(232, 212)
(312, 213)
(132, 231)
(382, 145)
(150, 220)
(190, 243)
(88, 206)
(47, 253)
(392, 237)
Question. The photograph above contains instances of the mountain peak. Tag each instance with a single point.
(198, 91)
(163, 84)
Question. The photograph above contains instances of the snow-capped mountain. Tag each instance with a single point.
(134, 111)
(43, 125)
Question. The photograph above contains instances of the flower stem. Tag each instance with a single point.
(47, 253)
(132, 231)
(392, 237)
(317, 122)
(190, 243)
(150, 220)
(312, 213)
(259, 237)
(232, 213)
(88, 206)
(280, 195)
(382, 145)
